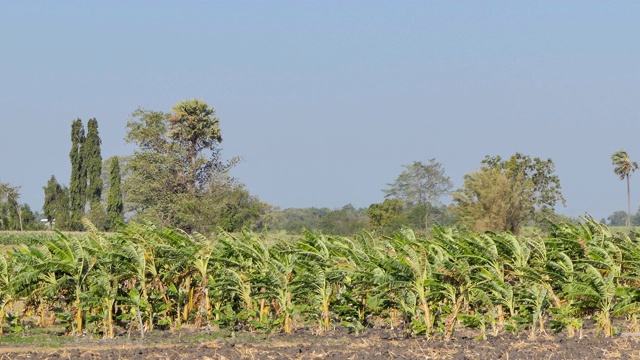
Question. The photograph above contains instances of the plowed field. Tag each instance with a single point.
(371, 344)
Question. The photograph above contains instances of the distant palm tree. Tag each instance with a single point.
(624, 167)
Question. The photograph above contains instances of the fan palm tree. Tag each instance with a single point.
(624, 167)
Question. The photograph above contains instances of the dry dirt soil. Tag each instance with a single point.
(370, 344)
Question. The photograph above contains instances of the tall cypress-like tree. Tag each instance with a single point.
(78, 183)
(115, 207)
(92, 162)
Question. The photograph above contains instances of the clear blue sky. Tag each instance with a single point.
(326, 100)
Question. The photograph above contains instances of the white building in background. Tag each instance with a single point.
(46, 223)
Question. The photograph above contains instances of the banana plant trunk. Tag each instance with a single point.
(283, 303)
(43, 314)
(427, 317)
(108, 323)
(2, 314)
(424, 304)
(453, 318)
(79, 316)
(78, 306)
(325, 297)
(262, 312)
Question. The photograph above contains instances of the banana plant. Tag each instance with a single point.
(411, 277)
(7, 295)
(33, 283)
(358, 261)
(104, 284)
(73, 260)
(201, 265)
(455, 281)
(537, 301)
(596, 291)
(315, 278)
(282, 265)
(245, 261)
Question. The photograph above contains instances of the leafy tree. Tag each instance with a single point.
(624, 167)
(228, 207)
(78, 183)
(420, 184)
(115, 206)
(618, 218)
(163, 180)
(49, 199)
(9, 197)
(152, 172)
(240, 209)
(388, 214)
(534, 188)
(29, 218)
(156, 181)
(92, 162)
(482, 202)
(56, 204)
(505, 194)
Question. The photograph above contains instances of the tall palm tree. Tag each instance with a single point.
(624, 167)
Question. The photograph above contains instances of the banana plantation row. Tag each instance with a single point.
(142, 278)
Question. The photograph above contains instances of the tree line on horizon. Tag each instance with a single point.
(176, 177)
